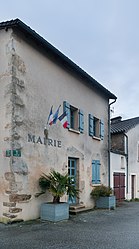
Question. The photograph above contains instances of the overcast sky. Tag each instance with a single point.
(101, 36)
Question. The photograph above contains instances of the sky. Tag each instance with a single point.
(100, 36)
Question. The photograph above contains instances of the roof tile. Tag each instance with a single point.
(124, 125)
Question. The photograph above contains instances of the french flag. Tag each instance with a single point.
(50, 117)
(63, 119)
(55, 116)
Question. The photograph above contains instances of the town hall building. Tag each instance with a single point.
(37, 80)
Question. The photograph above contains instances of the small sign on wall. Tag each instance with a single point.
(16, 153)
(8, 153)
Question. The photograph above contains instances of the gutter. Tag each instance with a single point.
(109, 144)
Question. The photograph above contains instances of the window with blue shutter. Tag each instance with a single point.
(66, 108)
(81, 121)
(91, 125)
(96, 127)
(96, 172)
(75, 117)
(101, 130)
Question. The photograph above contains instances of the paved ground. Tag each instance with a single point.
(115, 229)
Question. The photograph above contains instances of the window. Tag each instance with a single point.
(96, 127)
(96, 172)
(75, 117)
(122, 163)
(138, 152)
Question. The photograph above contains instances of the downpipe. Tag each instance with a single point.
(109, 144)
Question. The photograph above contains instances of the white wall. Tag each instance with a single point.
(133, 139)
(118, 165)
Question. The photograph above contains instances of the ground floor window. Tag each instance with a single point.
(96, 171)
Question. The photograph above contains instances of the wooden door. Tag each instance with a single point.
(72, 165)
(133, 186)
(119, 186)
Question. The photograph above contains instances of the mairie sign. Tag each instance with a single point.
(44, 140)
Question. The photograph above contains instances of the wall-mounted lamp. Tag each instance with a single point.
(45, 132)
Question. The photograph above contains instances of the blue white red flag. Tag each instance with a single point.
(50, 117)
(63, 119)
(55, 116)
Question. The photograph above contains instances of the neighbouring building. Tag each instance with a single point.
(34, 76)
(125, 158)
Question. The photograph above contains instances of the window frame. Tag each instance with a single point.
(96, 127)
(138, 152)
(76, 120)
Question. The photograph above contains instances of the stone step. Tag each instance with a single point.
(80, 210)
(76, 206)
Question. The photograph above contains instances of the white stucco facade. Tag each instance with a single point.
(31, 82)
(133, 163)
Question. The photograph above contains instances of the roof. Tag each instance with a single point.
(124, 126)
(17, 24)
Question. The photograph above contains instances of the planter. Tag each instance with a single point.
(54, 211)
(106, 202)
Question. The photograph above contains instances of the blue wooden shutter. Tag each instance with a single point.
(91, 125)
(101, 130)
(66, 108)
(95, 171)
(81, 121)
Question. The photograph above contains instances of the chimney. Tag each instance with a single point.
(116, 120)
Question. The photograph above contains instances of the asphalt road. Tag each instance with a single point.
(99, 229)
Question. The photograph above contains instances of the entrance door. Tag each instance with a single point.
(119, 186)
(72, 165)
(133, 187)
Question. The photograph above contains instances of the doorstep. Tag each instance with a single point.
(78, 208)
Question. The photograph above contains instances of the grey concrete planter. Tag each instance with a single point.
(108, 202)
(54, 211)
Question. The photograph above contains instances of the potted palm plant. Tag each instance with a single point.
(58, 185)
(103, 197)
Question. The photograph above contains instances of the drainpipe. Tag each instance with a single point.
(109, 143)
(126, 154)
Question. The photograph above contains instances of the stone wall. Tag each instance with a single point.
(118, 143)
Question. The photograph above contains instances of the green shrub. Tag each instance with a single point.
(101, 190)
(58, 185)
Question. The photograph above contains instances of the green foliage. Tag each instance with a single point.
(58, 185)
(135, 199)
(101, 190)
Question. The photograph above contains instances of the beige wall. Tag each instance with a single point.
(37, 84)
(5, 116)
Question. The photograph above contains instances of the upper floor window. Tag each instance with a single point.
(138, 152)
(75, 117)
(122, 162)
(96, 127)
